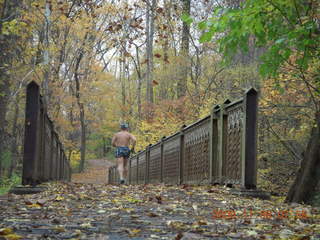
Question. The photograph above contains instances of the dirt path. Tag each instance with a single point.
(96, 172)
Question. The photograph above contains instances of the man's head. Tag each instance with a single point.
(124, 126)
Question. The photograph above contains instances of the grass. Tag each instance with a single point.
(7, 183)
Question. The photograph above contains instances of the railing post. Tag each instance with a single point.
(31, 143)
(113, 177)
(147, 164)
(162, 158)
(129, 170)
(213, 144)
(220, 145)
(225, 141)
(249, 140)
(65, 167)
(41, 128)
(182, 154)
(56, 157)
(61, 162)
(51, 151)
(137, 175)
(222, 127)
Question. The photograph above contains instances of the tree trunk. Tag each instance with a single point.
(308, 176)
(7, 51)
(82, 113)
(46, 57)
(150, 35)
(14, 145)
(104, 150)
(165, 46)
(123, 85)
(138, 70)
(184, 53)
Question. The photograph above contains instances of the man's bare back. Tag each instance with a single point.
(123, 139)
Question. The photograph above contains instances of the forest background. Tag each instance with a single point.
(159, 64)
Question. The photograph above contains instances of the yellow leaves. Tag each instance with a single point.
(59, 198)
(13, 237)
(8, 234)
(133, 232)
(5, 231)
(13, 27)
(74, 158)
(59, 229)
(133, 200)
(34, 205)
(86, 225)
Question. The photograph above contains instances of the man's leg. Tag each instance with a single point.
(120, 162)
(125, 170)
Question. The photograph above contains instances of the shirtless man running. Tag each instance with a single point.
(122, 140)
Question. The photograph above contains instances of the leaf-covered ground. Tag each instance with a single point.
(87, 211)
(95, 172)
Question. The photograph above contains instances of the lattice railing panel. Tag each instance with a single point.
(48, 149)
(155, 164)
(233, 148)
(171, 152)
(142, 164)
(133, 170)
(196, 156)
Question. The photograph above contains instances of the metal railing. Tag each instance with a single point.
(44, 158)
(220, 148)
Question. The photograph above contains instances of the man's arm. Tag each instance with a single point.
(133, 140)
(113, 142)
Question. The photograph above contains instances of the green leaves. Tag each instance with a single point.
(283, 28)
(202, 25)
(186, 18)
(206, 37)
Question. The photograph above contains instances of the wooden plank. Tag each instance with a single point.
(250, 148)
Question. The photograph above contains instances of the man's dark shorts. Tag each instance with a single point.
(122, 152)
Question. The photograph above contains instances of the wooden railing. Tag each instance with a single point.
(220, 148)
(44, 157)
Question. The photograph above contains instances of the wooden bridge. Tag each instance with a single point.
(218, 149)
(163, 199)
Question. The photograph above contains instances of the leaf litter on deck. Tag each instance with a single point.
(93, 211)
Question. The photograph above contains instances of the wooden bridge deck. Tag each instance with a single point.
(89, 210)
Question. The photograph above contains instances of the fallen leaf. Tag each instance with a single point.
(5, 231)
(151, 214)
(13, 237)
